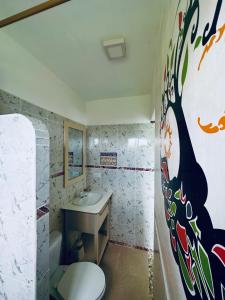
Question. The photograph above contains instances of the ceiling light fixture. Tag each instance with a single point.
(31, 11)
(115, 48)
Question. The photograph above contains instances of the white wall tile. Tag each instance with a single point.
(133, 191)
(42, 247)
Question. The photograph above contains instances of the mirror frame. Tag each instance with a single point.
(70, 124)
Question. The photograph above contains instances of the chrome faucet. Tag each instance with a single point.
(83, 194)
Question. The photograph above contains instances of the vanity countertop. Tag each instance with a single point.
(92, 209)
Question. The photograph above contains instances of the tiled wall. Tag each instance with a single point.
(43, 258)
(42, 202)
(132, 181)
(54, 124)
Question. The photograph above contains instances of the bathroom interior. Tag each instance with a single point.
(82, 130)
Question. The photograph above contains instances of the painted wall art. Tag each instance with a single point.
(191, 166)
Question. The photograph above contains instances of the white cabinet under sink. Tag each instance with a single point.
(93, 222)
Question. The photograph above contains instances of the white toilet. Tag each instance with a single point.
(79, 281)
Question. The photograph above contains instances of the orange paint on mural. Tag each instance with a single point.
(211, 42)
(168, 132)
(206, 50)
(221, 32)
(211, 128)
(221, 123)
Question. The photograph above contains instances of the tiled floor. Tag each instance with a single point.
(127, 273)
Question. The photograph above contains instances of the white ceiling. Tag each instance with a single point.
(67, 39)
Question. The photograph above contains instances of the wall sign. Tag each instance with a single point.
(108, 159)
(198, 247)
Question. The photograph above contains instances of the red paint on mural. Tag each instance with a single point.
(219, 251)
(182, 235)
(174, 242)
(167, 215)
(189, 265)
(180, 19)
(165, 171)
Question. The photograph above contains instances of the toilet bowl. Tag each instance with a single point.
(78, 281)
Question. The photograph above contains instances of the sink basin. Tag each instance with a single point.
(93, 202)
(90, 198)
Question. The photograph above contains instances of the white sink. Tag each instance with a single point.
(92, 203)
(90, 198)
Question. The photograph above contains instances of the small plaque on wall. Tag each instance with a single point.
(108, 159)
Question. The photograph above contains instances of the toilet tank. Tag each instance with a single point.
(55, 250)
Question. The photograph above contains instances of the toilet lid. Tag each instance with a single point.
(82, 280)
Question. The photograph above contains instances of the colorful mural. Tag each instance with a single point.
(198, 247)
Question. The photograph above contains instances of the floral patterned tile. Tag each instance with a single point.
(34, 111)
(133, 191)
(109, 138)
(42, 247)
(43, 288)
(122, 234)
(123, 216)
(109, 179)
(143, 236)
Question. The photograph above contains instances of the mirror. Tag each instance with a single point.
(74, 152)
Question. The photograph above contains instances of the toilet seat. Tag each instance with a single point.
(83, 280)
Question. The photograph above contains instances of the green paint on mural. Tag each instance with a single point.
(197, 279)
(168, 62)
(206, 267)
(181, 32)
(198, 264)
(195, 228)
(173, 208)
(172, 58)
(185, 272)
(185, 67)
(197, 42)
(177, 195)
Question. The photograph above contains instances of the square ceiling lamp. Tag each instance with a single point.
(115, 48)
